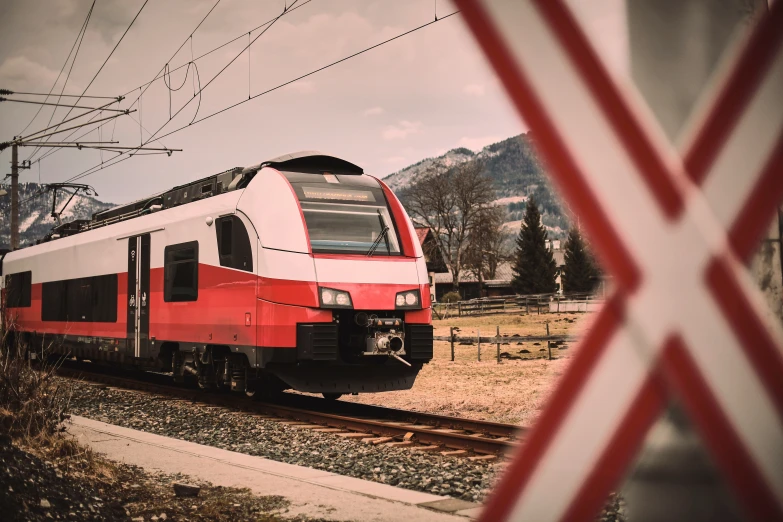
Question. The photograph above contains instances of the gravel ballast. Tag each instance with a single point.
(252, 435)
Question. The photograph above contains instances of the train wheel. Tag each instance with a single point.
(332, 396)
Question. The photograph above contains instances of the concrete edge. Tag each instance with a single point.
(312, 476)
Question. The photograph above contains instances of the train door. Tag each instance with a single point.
(139, 295)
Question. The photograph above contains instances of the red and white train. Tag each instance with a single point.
(301, 272)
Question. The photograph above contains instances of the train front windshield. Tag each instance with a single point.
(342, 220)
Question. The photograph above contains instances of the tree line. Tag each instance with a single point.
(456, 203)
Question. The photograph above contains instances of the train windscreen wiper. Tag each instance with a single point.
(384, 233)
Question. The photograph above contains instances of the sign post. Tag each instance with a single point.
(685, 321)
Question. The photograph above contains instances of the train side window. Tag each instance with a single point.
(79, 300)
(19, 289)
(181, 272)
(86, 299)
(53, 301)
(234, 244)
(226, 231)
(104, 298)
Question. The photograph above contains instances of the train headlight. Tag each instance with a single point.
(331, 298)
(408, 299)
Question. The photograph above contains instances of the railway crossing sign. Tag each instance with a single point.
(673, 228)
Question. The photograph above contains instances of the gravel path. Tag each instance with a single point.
(245, 433)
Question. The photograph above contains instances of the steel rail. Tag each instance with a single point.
(420, 424)
(413, 417)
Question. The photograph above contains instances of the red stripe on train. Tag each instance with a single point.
(218, 316)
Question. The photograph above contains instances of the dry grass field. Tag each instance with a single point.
(513, 391)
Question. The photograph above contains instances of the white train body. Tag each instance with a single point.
(301, 272)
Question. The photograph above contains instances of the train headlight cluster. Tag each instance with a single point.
(408, 299)
(331, 298)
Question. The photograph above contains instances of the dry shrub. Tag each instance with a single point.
(451, 297)
(33, 402)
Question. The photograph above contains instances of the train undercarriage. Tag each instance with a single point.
(359, 352)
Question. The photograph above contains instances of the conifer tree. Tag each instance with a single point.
(580, 273)
(535, 270)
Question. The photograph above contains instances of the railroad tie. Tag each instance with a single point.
(352, 435)
(483, 457)
(426, 448)
(397, 444)
(455, 453)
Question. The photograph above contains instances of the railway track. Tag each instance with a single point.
(470, 438)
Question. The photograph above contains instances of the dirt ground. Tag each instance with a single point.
(513, 391)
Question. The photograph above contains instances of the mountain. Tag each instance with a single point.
(35, 209)
(516, 172)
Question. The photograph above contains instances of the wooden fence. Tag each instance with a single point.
(556, 303)
(497, 340)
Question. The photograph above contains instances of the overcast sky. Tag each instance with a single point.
(416, 97)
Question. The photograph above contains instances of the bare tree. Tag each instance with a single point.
(452, 202)
(486, 247)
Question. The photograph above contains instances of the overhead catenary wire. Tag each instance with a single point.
(96, 168)
(64, 95)
(67, 58)
(32, 102)
(68, 76)
(110, 55)
(201, 89)
(66, 121)
(221, 71)
(158, 75)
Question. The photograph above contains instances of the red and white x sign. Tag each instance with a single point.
(686, 321)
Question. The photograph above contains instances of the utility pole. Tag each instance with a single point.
(14, 197)
(15, 194)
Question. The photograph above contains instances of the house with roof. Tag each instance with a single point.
(433, 256)
(500, 285)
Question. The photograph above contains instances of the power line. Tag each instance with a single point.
(71, 119)
(68, 76)
(2, 99)
(94, 169)
(5, 91)
(84, 25)
(157, 76)
(162, 73)
(110, 55)
(267, 24)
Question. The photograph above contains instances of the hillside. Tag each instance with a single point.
(35, 219)
(516, 171)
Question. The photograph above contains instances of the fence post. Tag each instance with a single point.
(479, 344)
(459, 309)
(498, 339)
(558, 304)
(452, 344)
(548, 343)
(527, 306)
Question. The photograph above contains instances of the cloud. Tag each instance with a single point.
(402, 130)
(474, 89)
(374, 111)
(20, 71)
(478, 143)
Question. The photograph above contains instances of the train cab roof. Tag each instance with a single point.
(313, 161)
(302, 163)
